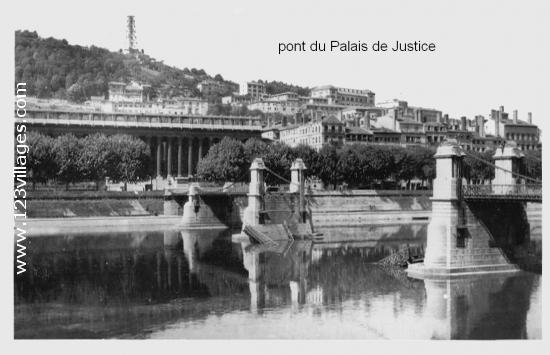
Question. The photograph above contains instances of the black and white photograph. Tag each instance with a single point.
(269, 170)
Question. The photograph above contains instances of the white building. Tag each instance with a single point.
(344, 96)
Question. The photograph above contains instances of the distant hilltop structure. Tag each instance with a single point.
(131, 34)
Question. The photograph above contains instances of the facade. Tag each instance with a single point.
(255, 90)
(358, 135)
(287, 104)
(316, 111)
(524, 133)
(132, 92)
(176, 106)
(209, 87)
(315, 133)
(236, 100)
(271, 133)
(401, 110)
(344, 96)
(359, 116)
(212, 87)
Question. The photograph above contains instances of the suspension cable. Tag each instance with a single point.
(498, 167)
(280, 177)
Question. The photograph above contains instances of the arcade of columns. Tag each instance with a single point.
(178, 156)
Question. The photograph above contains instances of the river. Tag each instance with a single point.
(212, 284)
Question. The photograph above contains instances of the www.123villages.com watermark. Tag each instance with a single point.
(20, 176)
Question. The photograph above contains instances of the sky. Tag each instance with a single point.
(488, 54)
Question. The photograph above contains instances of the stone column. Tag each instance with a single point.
(190, 157)
(200, 150)
(180, 151)
(159, 156)
(169, 158)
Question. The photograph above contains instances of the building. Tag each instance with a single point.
(358, 135)
(315, 133)
(343, 96)
(255, 90)
(236, 100)
(361, 116)
(174, 106)
(132, 92)
(287, 104)
(315, 109)
(524, 133)
(271, 133)
(401, 110)
(284, 108)
(210, 87)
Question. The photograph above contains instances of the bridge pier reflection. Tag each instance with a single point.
(479, 307)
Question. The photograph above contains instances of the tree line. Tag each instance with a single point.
(68, 159)
(124, 158)
(357, 165)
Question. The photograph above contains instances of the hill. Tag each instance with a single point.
(53, 68)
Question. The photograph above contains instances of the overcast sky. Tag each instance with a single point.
(488, 54)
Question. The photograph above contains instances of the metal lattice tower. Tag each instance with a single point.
(131, 33)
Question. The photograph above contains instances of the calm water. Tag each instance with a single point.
(206, 284)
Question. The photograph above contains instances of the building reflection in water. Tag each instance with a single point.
(160, 284)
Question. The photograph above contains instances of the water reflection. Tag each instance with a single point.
(203, 284)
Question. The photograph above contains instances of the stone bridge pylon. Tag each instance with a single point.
(470, 236)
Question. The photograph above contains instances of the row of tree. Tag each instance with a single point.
(356, 165)
(68, 159)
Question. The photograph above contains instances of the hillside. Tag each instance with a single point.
(53, 68)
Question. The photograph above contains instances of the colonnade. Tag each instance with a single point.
(177, 156)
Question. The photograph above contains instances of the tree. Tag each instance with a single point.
(225, 161)
(278, 158)
(41, 157)
(133, 157)
(76, 93)
(475, 168)
(328, 172)
(67, 151)
(311, 159)
(254, 148)
(99, 158)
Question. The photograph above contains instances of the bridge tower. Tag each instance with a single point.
(442, 231)
(458, 243)
(297, 184)
(256, 191)
(508, 161)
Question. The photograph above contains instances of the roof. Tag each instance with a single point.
(383, 130)
(358, 130)
(520, 123)
(331, 120)
(322, 87)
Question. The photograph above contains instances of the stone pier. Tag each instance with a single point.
(458, 242)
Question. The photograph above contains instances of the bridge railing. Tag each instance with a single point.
(515, 191)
